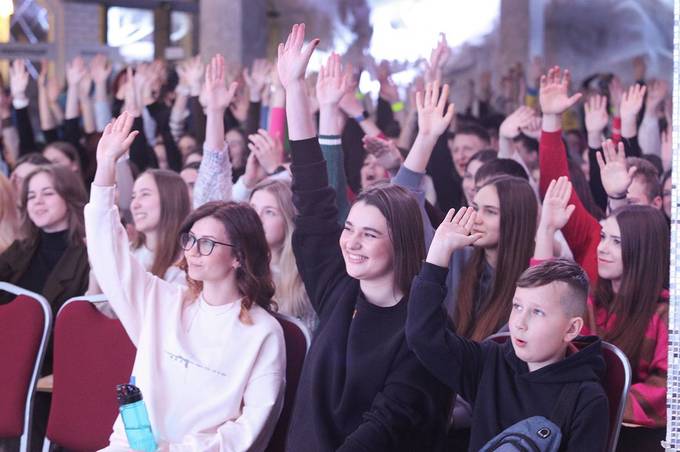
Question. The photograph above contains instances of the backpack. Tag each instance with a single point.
(537, 433)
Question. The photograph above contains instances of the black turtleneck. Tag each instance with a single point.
(51, 247)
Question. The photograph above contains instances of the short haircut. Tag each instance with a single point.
(573, 301)
(500, 167)
(531, 144)
(484, 156)
(35, 158)
(647, 172)
(476, 130)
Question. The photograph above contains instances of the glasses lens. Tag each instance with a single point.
(205, 246)
(186, 240)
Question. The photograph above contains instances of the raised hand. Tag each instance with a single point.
(293, 57)
(18, 79)
(554, 96)
(218, 96)
(616, 178)
(518, 120)
(75, 71)
(631, 102)
(451, 235)
(100, 68)
(254, 172)
(656, 93)
(267, 149)
(85, 84)
(534, 72)
(438, 58)
(556, 210)
(432, 120)
(533, 128)
(331, 83)
(596, 115)
(256, 78)
(116, 139)
(385, 151)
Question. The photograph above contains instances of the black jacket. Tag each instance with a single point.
(361, 388)
(496, 382)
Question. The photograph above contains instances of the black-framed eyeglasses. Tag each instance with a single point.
(205, 245)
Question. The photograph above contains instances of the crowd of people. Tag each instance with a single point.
(402, 235)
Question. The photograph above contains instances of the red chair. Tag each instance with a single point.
(24, 332)
(616, 383)
(297, 339)
(92, 354)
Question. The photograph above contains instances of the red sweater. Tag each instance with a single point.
(582, 232)
(646, 404)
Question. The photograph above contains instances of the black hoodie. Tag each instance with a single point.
(496, 382)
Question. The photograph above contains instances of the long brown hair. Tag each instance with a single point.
(518, 222)
(290, 296)
(404, 227)
(645, 243)
(244, 230)
(174, 208)
(73, 193)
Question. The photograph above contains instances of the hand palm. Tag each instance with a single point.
(430, 121)
(329, 90)
(615, 178)
(554, 213)
(596, 120)
(554, 99)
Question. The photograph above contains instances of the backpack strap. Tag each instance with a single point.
(564, 408)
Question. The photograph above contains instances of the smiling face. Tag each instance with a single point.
(146, 204)
(488, 218)
(45, 207)
(372, 172)
(540, 329)
(273, 221)
(220, 263)
(366, 245)
(463, 147)
(609, 256)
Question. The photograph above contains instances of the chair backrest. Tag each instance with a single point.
(297, 339)
(616, 383)
(92, 354)
(24, 332)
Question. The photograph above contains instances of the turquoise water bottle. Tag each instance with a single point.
(135, 418)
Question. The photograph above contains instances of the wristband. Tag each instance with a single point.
(618, 197)
(532, 91)
(359, 95)
(397, 106)
(362, 117)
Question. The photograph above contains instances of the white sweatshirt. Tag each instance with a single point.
(209, 381)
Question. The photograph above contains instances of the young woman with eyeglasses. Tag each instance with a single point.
(210, 358)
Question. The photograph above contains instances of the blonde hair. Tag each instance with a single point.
(290, 294)
(9, 214)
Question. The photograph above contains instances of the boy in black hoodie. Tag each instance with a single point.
(506, 383)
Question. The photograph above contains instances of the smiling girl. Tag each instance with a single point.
(210, 358)
(361, 387)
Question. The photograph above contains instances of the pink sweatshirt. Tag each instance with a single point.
(210, 382)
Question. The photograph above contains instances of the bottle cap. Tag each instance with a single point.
(127, 394)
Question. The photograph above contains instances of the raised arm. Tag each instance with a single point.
(315, 240)
(555, 212)
(127, 285)
(616, 178)
(214, 175)
(18, 82)
(433, 120)
(582, 229)
(597, 119)
(100, 68)
(455, 361)
(331, 86)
